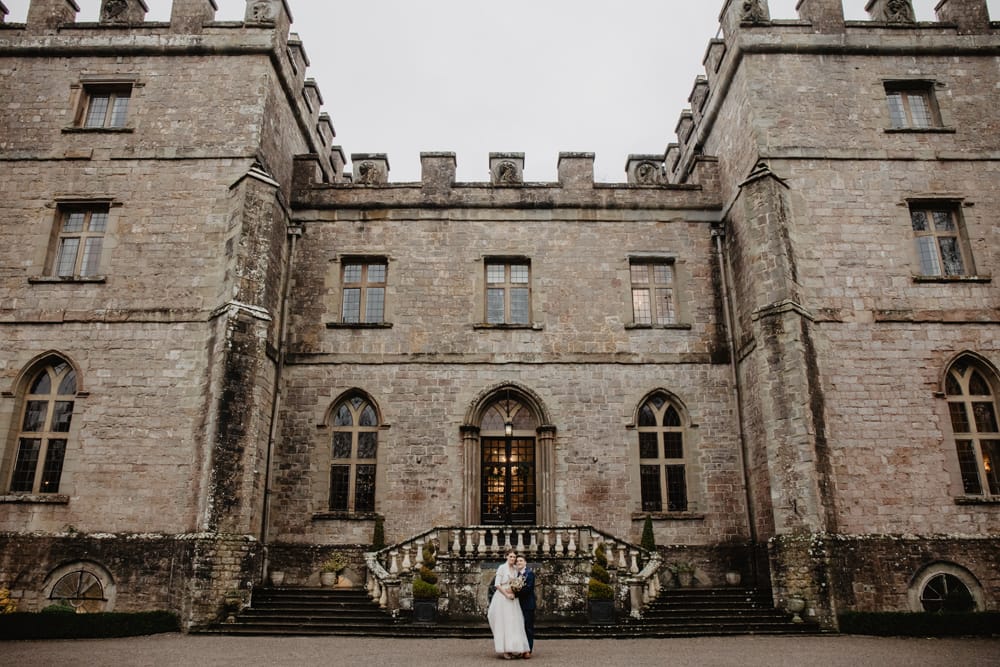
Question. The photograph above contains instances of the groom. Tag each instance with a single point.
(526, 597)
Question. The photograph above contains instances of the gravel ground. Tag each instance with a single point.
(177, 649)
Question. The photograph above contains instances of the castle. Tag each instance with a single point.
(223, 356)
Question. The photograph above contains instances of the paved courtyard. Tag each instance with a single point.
(335, 651)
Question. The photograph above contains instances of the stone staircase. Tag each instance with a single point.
(677, 612)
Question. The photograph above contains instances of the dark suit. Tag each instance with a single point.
(526, 597)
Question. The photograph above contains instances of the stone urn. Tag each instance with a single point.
(796, 605)
(733, 578)
(277, 577)
(328, 578)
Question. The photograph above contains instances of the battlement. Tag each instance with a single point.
(369, 185)
(122, 31)
(821, 27)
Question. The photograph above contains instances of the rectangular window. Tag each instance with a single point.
(80, 241)
(364, 291)
(508, 292)
(912, 105)
(653, 292)
(106, 106)
(940, 245)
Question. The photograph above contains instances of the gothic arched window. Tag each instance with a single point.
(47, 410)
(353, 454)
(972, 405)
(662, 468)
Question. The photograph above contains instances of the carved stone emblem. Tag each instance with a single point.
(646, 173)
(114, 10)
(260, 12)
(368, 173)
(753, 12)
(899, 11)
(506, 173)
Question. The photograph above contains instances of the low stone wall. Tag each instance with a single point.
(189, 575)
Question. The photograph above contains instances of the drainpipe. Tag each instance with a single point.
(294, 232)
(718, 233)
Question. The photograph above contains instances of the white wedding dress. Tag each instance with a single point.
(506, 619)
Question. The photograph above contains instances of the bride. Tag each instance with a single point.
(506, 619)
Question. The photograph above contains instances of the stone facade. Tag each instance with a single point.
(248, 293)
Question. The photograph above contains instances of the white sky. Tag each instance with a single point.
(530, 76)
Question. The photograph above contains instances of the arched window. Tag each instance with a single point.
(662, 469)
(972, 404)
(352, 460)
(45, 422)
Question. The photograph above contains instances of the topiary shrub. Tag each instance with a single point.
(648, 541)
(378, 535)
(425, 583)
(599, 586)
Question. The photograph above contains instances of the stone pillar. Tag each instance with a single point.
(576, 170)
(437, 170)
(738, 12)
(825, 15)
(971, 16)
(123, 12)
(50, 14)
(190, 16)
(891, 11)
(470, 476)
(546, 475)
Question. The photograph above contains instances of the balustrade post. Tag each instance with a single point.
(571, 547)
(622, 548)
(634, 567)
(456, 544)
(393, 562)
(520, 541)
(546, 547)
(635, 597)
(383, 598)
(469, 549)
(559, 543)
(481, 549)
(420, 552)
(407, 564)
(392, 595)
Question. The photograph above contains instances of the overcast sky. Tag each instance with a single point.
(530, 76)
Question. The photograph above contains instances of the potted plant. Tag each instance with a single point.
(277, 577)
(684, 572)
(600, 594)
(425, 589)
(329, 571)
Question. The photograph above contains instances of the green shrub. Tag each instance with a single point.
(430, 556)
(600, 574)
(378, 536)
(428, 575)
(600, 557)
(920, 624)
(59, 608)
(25, 625)
(597, 590)
(423, 590)
(648, 541)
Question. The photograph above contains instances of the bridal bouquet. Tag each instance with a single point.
(517, 583)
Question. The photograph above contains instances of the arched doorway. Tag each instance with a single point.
(508, 454)
(508, 479)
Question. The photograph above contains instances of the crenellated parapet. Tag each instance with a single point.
(648, 185)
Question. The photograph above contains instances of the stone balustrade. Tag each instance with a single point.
(635, 570)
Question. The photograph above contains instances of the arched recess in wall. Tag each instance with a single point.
(665, 468)
(945, 587)
(352, 429)
(488, 407)
(86, 586)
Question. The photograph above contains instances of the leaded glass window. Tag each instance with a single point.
(972, 406)
(653, 292)
(46, 417)
(80, 242)
(912, 105)
(508, 292)
(364, 291)
(106, 107)
(353, 456)
(662, 463)
(939, 243)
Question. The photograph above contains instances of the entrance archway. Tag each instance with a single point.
(508, 459)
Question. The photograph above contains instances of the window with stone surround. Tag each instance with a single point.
(971, 392)
(104, 106)
(364, 281)
(940, 242)
(508, 291)
(44, 428)
(653, 292)
(79, 241)
(354, 450)
(912, 105)
(662, 467)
